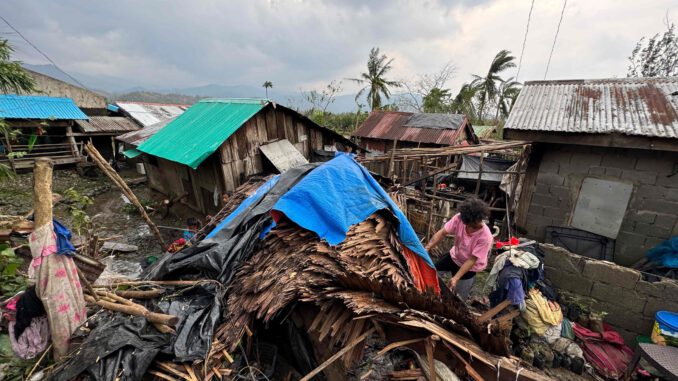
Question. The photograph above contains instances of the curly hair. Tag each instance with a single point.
(473, 210)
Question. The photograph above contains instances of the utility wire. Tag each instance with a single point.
(522, 51)
(555, 38)
(43, 54)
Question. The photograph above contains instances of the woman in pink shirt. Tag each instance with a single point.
(472, 244)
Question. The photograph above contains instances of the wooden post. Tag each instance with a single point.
(71, 142)
(391, 164)
(117, 180)
(42, 191)
(480, 172)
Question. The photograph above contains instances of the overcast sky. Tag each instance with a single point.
(304, 44)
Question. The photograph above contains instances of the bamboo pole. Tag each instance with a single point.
(480, 173)
(135, 310)
(117, 180)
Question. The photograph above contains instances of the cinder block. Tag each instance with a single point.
(583, 161)
(659, 165)
(619, 160)
(610, 273)
(631, 239)
(641, 177)
(597, 171)
(550, 178)
(660, 206)
(569, 281)
(549, 166)
(650, 191)
(613, 172)
(563, 260)
(667, 181)
(671, 194)
(543, 199)
(670, 290)
(665, 221)
(557, 214)
(617, 295)
(631, 321)
(658, 304)
(562, 193)
(535, 210)
(557, 155)
(655, 289)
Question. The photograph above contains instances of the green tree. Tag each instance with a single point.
(437, 100)
(465, 102)
(656, 56)
(13, 79)
(374, 81)
(267, 85)
(488, 85)
(506, 96)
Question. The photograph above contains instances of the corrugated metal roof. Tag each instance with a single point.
(392, 125)
(39, 107)
(112, 124)
(147, 114)
(194, 135)
(631, 106)
(135, 138)
(484, 132)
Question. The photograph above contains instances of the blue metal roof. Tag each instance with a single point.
(37, 107)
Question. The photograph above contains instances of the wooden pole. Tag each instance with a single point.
(42, 192)
(391, 164)
(117, 180)
(136, 310)
(480, 173)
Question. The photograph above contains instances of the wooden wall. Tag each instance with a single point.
(238, 158)
(240, 155)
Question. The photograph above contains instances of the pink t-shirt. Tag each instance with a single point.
(476, 244)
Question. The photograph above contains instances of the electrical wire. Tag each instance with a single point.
(522, 51)
(43, 54)
(555, 38)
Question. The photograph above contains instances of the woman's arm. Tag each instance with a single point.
(462, 270)
(435, 240)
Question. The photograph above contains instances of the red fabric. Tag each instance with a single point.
(512, 242)
(606, 351)
(424, 276)
(176, 245)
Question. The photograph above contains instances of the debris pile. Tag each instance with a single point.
(315, 266)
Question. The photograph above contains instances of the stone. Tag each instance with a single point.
(617, 295)
(561, 259)
(655, 289)
(569, 281)
(610, 273)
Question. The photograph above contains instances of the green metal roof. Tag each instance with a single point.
(131, 153)
(199, 131)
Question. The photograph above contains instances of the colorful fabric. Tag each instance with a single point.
(58, 286)
(63, 239)
(540, 313)
(32, 341)
(466, 246)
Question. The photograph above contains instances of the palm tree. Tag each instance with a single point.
(506, 96)
(375, 83)
(436, 100)
(267, 85)
(487, 85)
(463, 102)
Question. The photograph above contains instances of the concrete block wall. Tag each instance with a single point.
(652, 213)
(620, 291)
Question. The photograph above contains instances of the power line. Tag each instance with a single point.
(522, 51)
(555, 38)
(42, 53)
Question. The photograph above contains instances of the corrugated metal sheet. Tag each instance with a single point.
(391, 125)
(631, 106)
(112, 124)
(484, 132)
(197, 133)
(135, 138)
(147, 114)
(38, 107)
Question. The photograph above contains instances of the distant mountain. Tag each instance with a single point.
(122, 89)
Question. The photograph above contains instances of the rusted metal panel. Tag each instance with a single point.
(147, 114)
(392, 125)
(106, 124)
(629, 106)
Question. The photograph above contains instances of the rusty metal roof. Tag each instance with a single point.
(135, 138)
(393, 125)
(631, 106)
(106, 124)
(147, 114)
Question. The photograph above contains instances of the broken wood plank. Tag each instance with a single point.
(489, 314)
(337, 355)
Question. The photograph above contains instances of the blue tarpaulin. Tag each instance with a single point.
(665, 253)
(338, 194)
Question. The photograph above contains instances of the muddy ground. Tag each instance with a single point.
(110, 213)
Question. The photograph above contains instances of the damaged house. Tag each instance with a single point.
(386, 130)
(602, 180)
(211, 149)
